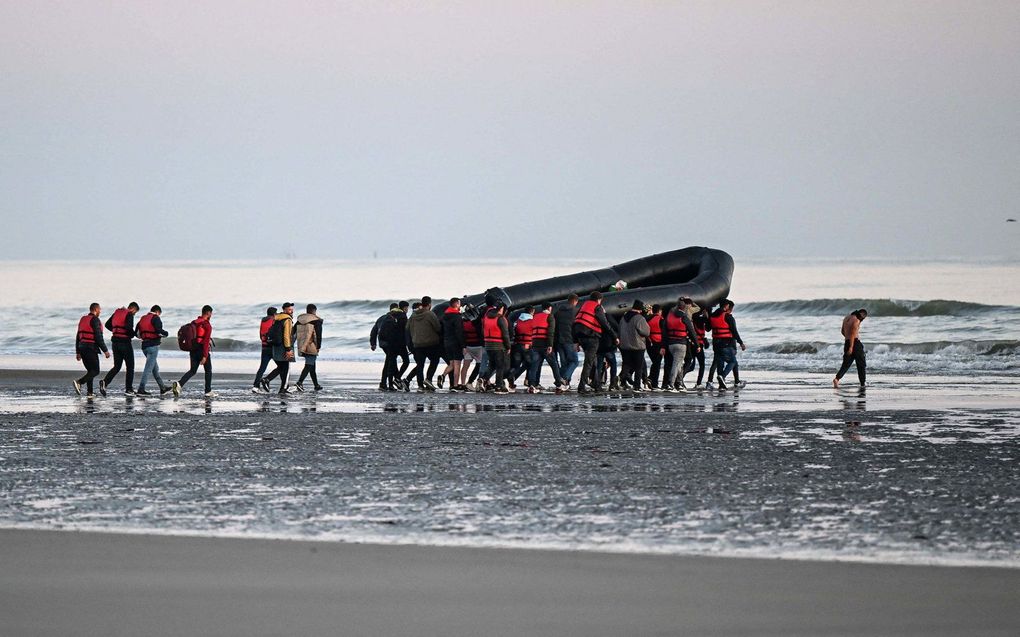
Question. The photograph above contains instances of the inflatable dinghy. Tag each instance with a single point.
(703, 274)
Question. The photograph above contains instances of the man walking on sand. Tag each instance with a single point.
(199, 353)
(88, 342)
(281, 337)
(853, 350)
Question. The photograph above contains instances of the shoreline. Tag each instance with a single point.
(777, 555)
(157, 585)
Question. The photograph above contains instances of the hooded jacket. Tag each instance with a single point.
(634, 331)
(423, 328)
(309, 334)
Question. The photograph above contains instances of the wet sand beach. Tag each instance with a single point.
(478, 514)
(108, 584)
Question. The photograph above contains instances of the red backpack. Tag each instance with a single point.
(187, 337)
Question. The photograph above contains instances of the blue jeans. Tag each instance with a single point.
(151, 367)
(569, 360)
(267, 356)
(728, 356)
(535, 371)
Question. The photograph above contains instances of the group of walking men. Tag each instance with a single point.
(506, 345)
(280, 334)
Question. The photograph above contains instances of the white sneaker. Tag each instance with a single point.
(211, 394)
(77, 387)
(176, 388)
(256, 390)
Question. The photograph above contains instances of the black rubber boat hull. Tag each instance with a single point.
(703, 274)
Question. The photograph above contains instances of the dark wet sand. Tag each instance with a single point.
(67, 583)
(109, 584)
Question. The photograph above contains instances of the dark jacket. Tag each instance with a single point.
(453, 330)
(389, 329)
(607, 340)
(563, 316)
(375, 336)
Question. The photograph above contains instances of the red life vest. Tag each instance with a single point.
(119, 324)
(676, 329)
(264, 326)
(699, 329)
(720, 328)
(145, 329)
(491, 331)
(201, 331)
(586, 316)
(540, 328)
(471, 336)
(655, 329)
(85, 334)
(523, 331)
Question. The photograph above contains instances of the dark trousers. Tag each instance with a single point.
(696, 357)
(123, 353)
(590, 347)
(90, 359)
(655, 353)
(497, 364)
(196, 358)
(267, 356)
(857, 356)
(389, 371)
(406, 361)
(604, 360)
(283, 371)
(633, 361)
(432, 353)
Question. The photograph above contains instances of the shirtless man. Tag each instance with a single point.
(853, 350)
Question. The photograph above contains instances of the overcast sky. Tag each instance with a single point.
(247, 129)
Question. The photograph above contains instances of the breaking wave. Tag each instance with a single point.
(875, 307)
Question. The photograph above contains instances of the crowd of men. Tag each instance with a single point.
(488, 350)
(495, 349)
(280, 333)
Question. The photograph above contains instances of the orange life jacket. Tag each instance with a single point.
(85, 334)
(586, 316)
(676, 329)
(540, 328)
(720, 328)
(655, 329)
(145, 329)
(119, 324)
(523, 331)
(490, 330)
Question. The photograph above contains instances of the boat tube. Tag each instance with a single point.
(703, 274)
